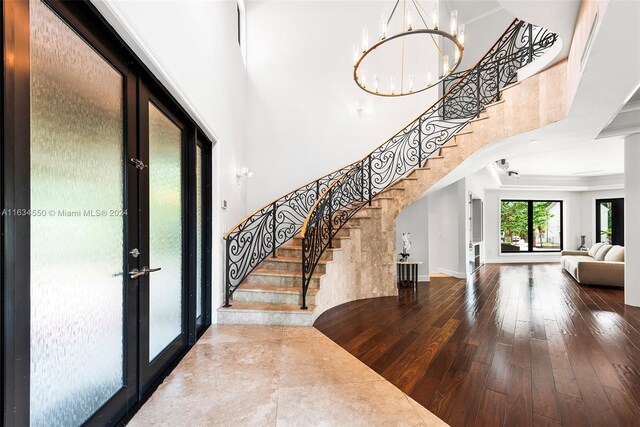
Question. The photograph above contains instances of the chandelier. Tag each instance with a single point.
(405, 68)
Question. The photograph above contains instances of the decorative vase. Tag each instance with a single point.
(583, 246)
(404, 258)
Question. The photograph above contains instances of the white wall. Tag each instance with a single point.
(301, 94)
(631, 223)
(447, 230)
(201, 63)
(482, 33)
(414, 220)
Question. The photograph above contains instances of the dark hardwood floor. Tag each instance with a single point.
(518, 345)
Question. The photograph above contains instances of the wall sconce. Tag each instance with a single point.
(361, 108)
(245, 172)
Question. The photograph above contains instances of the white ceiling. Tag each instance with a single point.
(594, 158)
(472, 10)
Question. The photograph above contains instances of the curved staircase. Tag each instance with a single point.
(333, 240)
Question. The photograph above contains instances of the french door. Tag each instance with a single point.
(104, 199)
(162, 267)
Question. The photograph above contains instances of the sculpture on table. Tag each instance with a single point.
(406, 245)
(583, 246)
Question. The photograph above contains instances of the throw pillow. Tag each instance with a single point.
(615, 254)
(594, 249)
(602, 252)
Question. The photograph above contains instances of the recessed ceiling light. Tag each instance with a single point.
(534, 141)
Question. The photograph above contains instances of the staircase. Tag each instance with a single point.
(346, 250)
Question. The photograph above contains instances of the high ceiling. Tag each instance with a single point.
(594, 158)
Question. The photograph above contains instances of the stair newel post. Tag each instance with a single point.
(274, 226)
(370, 178)
(304, 277)
(227, 292)
(420, 142)
(330, 226)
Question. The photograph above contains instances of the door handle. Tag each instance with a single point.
(135, 273)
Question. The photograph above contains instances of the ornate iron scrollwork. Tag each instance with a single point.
(466, 95)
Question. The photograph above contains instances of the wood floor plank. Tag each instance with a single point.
(516, 345)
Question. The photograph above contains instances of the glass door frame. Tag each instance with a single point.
(15, 195)
(617, 220)
(151, 370)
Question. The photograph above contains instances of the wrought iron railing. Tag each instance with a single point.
(261, 233)
(466, 95)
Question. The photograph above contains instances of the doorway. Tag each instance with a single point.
(105, 198)
(610, 221)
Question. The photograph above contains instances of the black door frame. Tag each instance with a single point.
(150, 370)
(15, 196)
(617, 220)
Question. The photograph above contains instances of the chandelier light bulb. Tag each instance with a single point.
(356, 54)
(376, 83)
(435, 18)
(392, 85)
(429, 78)
(384, 27)
(365, 39)
(363, 78)
(454, 22)
(445, 65)
(409, 20)
(410, 83)
(461, 34)
(457, 54)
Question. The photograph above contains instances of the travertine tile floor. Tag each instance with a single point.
(239, 375)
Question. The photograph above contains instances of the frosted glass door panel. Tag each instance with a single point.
(198, 231)
(76, 256)
(165, 231)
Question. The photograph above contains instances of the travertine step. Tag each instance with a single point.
(281, 278)
(251, 292)
(295, 251)
(258, 313)
(290, 264)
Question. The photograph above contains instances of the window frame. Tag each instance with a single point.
(530, 247)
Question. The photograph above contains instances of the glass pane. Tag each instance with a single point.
(199, 266)
(76, 251)
(547, 219)
(606, 225)
(514, 226)
(165, 231)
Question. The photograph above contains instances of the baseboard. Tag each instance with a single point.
(520, 260)
(423, 278)
(452, 273)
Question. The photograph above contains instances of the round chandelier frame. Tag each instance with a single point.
(456, 36)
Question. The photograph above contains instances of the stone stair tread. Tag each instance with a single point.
(255, 287)
(291, 259)
(269, 307)
(478, 119)
(270, 272)
(299, 247)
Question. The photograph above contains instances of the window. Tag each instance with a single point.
(610, 221)
(530, 226)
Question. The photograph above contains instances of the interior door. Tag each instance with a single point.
(162, 263)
